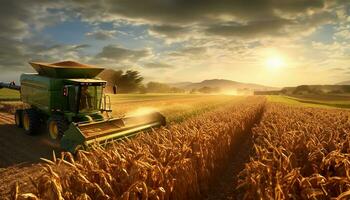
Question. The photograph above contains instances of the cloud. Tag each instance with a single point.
(20, 20)
(189, 52)
(187, 12)
(275, 27)
(209, 34)
(58, 52)
(171, 31)
(20, 17)
(337, 69)
(174, 19)
(117, 53)
(102, 34)
(17, 55)
(343, 34)
(81, 46)
(252, 29)
(158, 65)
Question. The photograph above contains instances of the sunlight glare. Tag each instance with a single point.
(275, 62)
(142, 111)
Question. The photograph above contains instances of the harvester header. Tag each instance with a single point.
(70, 100)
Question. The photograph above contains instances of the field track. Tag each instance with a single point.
(223, 187)
(17, 147)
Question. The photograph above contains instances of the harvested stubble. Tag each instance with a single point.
(176, 162)
(300, 153)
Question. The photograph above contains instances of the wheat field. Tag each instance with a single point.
(300, 153)
(176, 162)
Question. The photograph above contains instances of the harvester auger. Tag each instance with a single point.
(70, 100)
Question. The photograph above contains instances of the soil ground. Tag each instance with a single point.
(225, 184)
(228, 180)
(17, 147)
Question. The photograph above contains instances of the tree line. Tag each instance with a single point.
(131, 81)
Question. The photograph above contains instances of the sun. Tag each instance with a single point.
(275, 62)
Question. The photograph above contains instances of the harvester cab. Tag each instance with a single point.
(70, 100)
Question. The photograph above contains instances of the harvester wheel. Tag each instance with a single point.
(19, 118)
(56, 126)
(31, 121)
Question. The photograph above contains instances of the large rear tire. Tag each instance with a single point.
(56, 127)
(19, 118)
(31, 121)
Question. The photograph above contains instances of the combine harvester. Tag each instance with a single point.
(69, 99)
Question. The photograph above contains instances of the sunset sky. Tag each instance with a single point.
(271, 42)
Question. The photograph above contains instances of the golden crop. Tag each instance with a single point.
(175, 162)
(300, 153)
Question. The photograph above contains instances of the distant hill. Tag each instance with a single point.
(223, 85)
(344, 83)
(317, 89)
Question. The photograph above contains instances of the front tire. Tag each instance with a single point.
(56, 127)
(31, 121)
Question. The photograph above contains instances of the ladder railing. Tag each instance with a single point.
(106, 106)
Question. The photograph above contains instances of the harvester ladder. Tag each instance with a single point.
(107, 104)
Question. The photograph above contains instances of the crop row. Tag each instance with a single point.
(300, 153)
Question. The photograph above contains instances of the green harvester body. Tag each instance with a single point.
(57, 91)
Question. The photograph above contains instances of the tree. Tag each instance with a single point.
(193, 91)
(112, 77)
(302, 89)
(130, 81)
(208, 90)
(177, 90)
(115, 76)
(157, 87)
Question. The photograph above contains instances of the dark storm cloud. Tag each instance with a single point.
(118, 53)
(158, 65)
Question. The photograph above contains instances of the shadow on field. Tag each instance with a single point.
(225, 183)
(17, 147)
